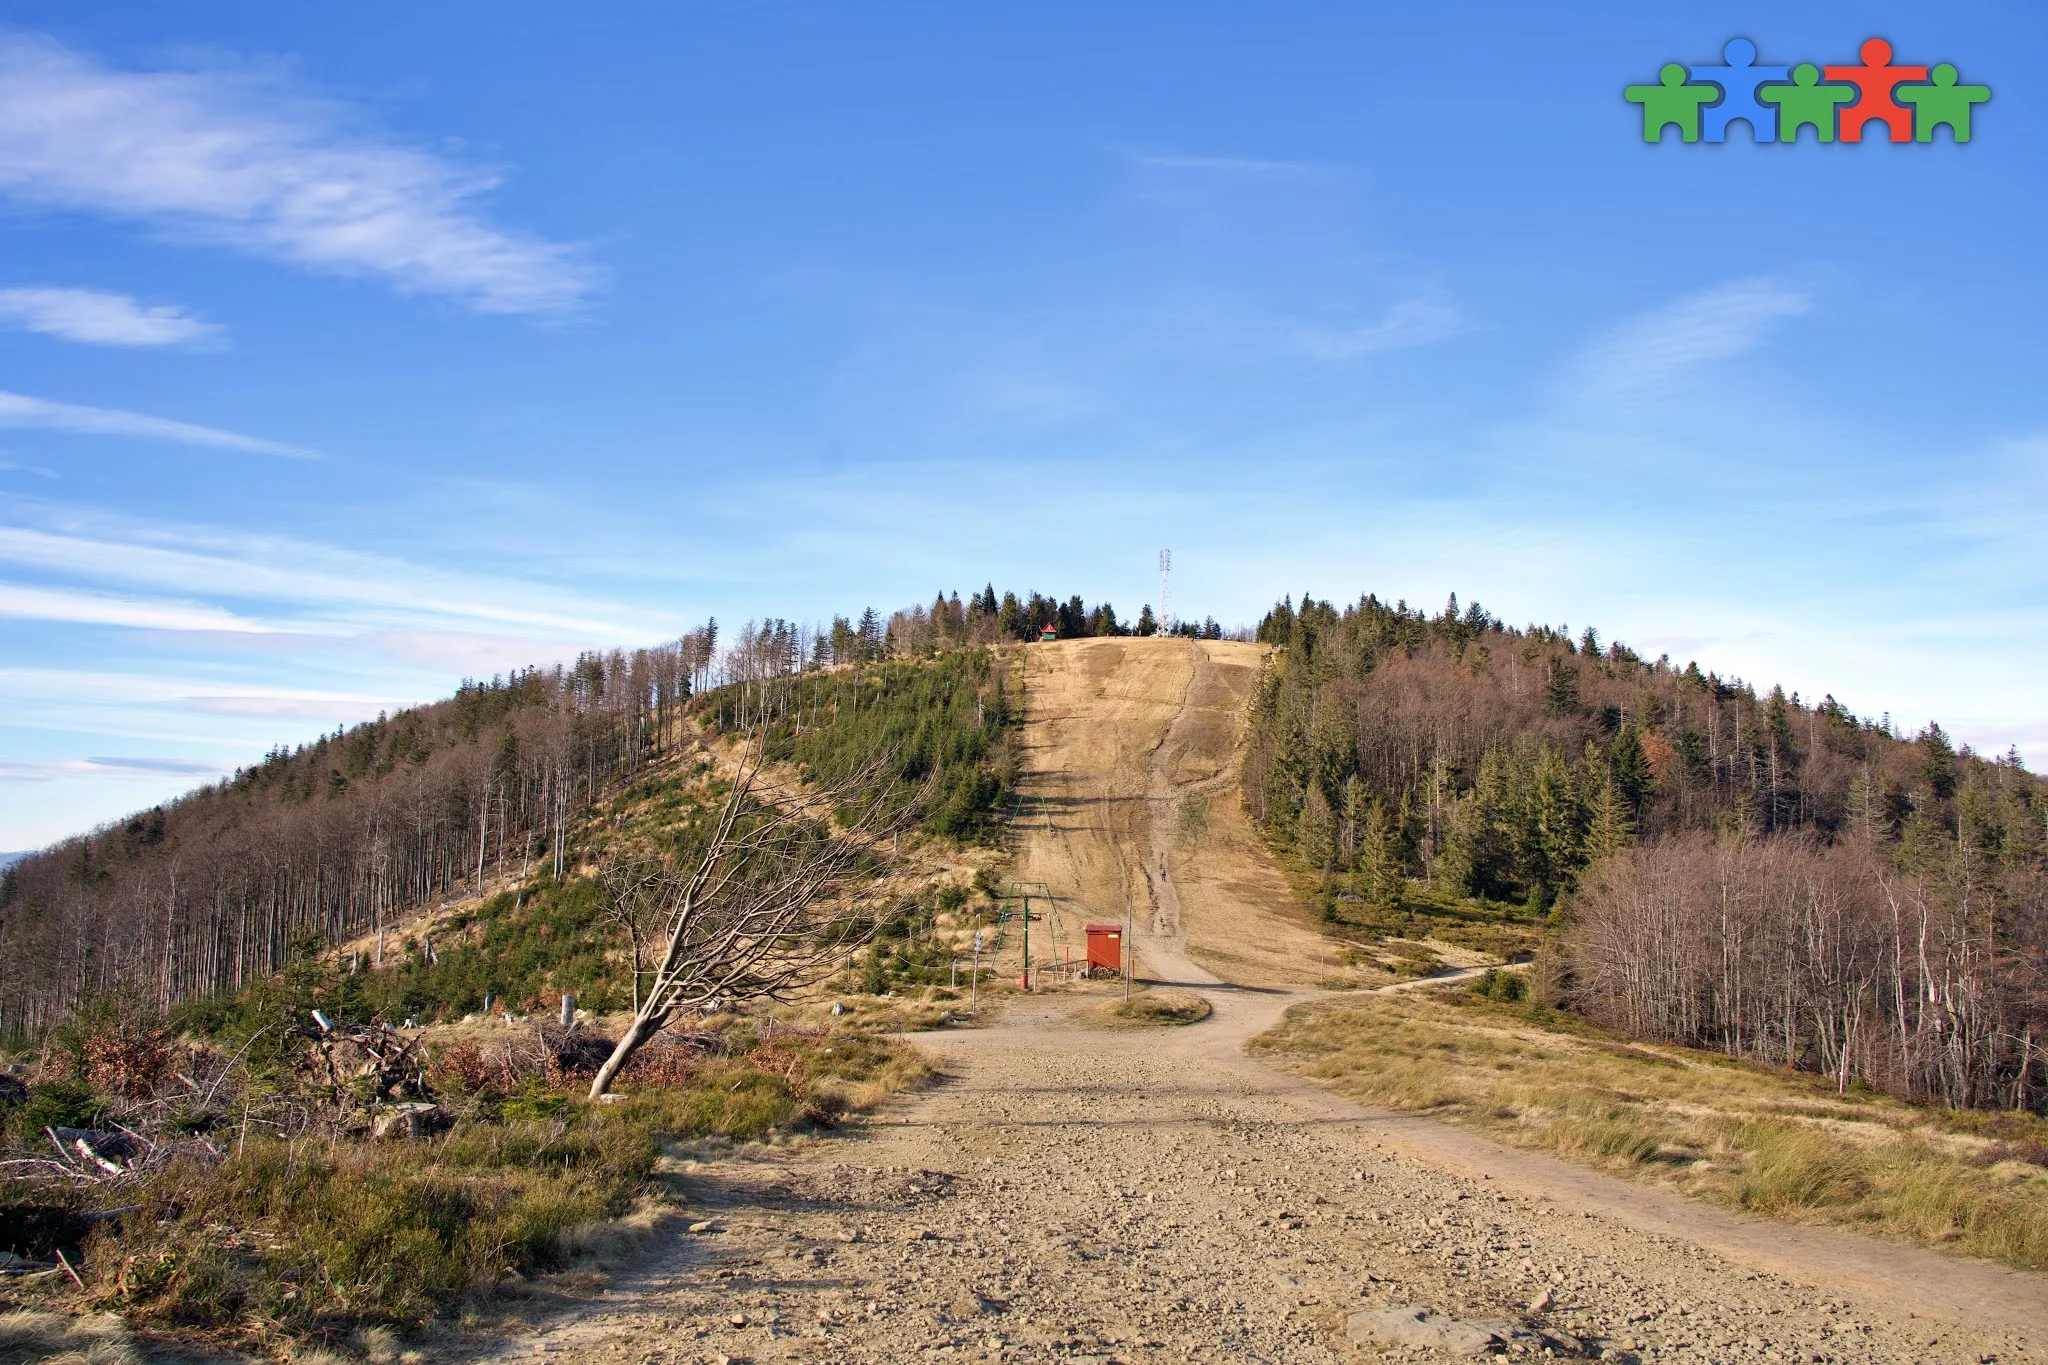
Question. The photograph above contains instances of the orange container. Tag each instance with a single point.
(1105, 947)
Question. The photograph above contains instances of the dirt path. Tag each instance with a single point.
(1076, 1193)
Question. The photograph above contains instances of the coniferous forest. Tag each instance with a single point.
(1763, 874)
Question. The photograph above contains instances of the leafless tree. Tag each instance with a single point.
(781, 891)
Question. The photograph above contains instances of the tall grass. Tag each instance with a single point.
(1730, 1133)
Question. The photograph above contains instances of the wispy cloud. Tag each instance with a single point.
(47, 771)
(1412, 322)
(100, 319)
(307, 587)
(78, 686)
(1225, 165)
(21, 601)
(20, 410)
(1674, 344)
(233, 157)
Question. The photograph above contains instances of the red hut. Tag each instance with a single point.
(1049, 634)
(1105, 948)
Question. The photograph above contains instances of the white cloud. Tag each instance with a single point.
(100, 319)
(19, 410)
(1671, 345)
(232, 157)
(160, 706)
(15, 770)
(22, 602)
(327, 590)
(1412, 322)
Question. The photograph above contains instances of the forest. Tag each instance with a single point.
(1754, 872)
(341, 837)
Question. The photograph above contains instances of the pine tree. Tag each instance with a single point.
(1476, 848)
(1380, 873)
(1314, 830)
(1937, 762)
(1630, 768)
(1351, 821)
(1561, 689)
(1608, 828)
(1147, 623)
(1551, 827)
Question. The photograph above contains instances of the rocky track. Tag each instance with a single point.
(1071, 1193)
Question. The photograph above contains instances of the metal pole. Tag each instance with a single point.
(1027, 945)
(1129, 924)
(974, 985)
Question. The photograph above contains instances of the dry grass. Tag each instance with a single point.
(291, 1244)
(912, 1010)
(1154, 1009)
(53, 1339)
(1727, 1132)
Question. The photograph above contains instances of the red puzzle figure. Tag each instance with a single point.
(1876, 78)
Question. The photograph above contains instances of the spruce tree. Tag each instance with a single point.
(1937, 762)
(1630, 768)
(1608, 828)
(1561, 689)
(1380, 873)
(1314, 830)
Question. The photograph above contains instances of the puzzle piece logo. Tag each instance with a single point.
(1840, 103)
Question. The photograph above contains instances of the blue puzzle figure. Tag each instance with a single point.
(1738, 81)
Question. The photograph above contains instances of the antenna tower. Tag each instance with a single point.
(1165, 593)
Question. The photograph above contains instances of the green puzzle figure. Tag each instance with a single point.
(1671, 102)
(1806, 102)
(1942, 102)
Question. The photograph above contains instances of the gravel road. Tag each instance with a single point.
(1073, 1193)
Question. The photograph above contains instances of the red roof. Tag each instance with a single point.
(1104, 928)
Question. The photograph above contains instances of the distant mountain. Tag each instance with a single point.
(8, 860)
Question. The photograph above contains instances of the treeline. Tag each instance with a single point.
(986, 619)
(1391, 748)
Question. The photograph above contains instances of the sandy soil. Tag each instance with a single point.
(1075, 1193)
(1130, 806)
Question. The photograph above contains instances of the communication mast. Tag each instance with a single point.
(1165, 593)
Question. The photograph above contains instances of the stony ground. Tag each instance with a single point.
(1072, 1193)
(1078, 1193)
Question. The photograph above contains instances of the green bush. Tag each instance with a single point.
(61, 1102)
(1507, 987)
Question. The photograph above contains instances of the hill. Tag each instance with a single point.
(348, 835)
(1721, 867)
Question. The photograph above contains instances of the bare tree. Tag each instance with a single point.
(774, 900)
(634, 893)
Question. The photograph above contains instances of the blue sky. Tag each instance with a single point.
(346, 351)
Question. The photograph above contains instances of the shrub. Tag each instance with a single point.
(61, 1102)
(1507, 987)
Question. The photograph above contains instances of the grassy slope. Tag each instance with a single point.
(1728, 1132)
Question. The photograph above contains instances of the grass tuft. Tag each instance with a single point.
(1167, 1008)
